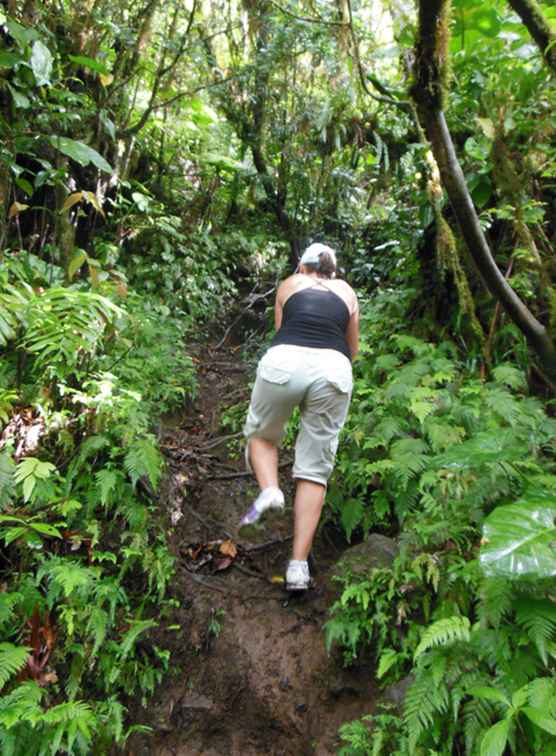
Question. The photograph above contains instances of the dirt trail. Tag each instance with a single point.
(251, 673)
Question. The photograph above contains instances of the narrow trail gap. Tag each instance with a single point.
(249, 673)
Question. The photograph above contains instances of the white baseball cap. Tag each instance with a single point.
(313, 252)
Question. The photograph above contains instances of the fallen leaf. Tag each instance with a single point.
(222, 564)
(228, 548)
(277, 579)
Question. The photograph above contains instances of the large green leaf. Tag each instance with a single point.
(94, 65)
(41, 63)
(495, 739)
(519, 539)
(81, 153)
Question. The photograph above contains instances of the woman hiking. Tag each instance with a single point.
(308, 365)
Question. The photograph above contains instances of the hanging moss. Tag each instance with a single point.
(443, 36)
(505, 174)
(449, 260)
(513, 187)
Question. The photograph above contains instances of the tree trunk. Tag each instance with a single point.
(538, 27)
(428, 94)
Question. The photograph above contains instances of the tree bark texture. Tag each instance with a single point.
(427, 95)
(538, 27)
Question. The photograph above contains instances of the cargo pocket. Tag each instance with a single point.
(341, 380)
(274, 374)
(274, 371)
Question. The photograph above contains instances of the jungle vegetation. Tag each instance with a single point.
(158, 157)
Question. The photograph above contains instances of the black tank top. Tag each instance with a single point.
(315, 317)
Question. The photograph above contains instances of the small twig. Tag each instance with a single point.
(204, 522)
(230, 476)
(212, 586)
(219, 440)
(263, 546)
(251, 573)
(232, 594)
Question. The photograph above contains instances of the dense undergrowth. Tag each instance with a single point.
(85, 562)
(461, 470)
(153, 161)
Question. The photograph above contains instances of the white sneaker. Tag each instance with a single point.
(297, 576)
(270, 500)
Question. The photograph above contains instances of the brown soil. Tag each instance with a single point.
(249, 672)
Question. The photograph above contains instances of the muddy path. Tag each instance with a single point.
(249, 672)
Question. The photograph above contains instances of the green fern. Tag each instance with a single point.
(67, 576)
(538, 619)
(477, 716)
(106, 480)
(12, 660)
(14, 301)
(144, 459)
(88, 448)
(22, 700)
(63, 325)
(97, 626)
(423, 701)
(73, 719)
(409, 457)
(128, 641)
(496, 600)
(443, 632)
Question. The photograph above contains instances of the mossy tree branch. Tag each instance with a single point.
(428, 92)
(538, 27)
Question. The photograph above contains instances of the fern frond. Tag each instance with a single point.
(443, 632)
(503, 404)
(73, 718)
(106, 480)
(7, 603)
(128, 641)
(493, 645)
(12, 660)
(423, 701)
(409, 457)
(390, 427)
(477, 715)
(67, 711)
(97, 626)
(538, 619)
(67, 576)
(508, 375)
(143, 458)
(496, 600)
(89, 447)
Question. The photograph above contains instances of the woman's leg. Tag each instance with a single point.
(309, 500)
(263, 456)
(323, 413)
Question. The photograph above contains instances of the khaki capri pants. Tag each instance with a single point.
(319, 382)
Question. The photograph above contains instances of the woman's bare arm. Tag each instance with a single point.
(352, 332)
(281, 295)
(277, 314)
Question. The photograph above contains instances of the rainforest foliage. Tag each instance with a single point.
(159, 159)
